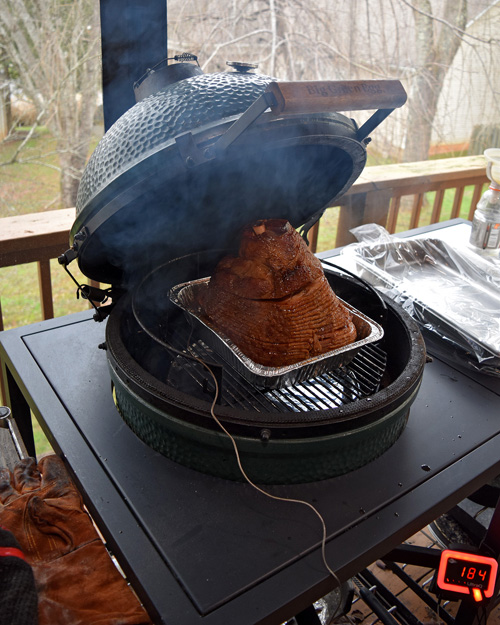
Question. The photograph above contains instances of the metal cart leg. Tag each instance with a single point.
(20, 410)
(308, 617)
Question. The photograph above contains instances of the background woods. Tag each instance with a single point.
(51, 52)
(445, 52)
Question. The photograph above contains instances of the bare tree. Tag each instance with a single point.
(54, 47)
(434, 55)
(413, 40)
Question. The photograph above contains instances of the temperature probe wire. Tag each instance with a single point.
(268, 494)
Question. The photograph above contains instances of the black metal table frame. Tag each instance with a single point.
(205, 550)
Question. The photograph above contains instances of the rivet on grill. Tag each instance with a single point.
(265, 434)
(209, 153)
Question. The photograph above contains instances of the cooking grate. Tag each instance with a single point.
(359, 379)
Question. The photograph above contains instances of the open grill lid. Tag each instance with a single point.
(184, 169)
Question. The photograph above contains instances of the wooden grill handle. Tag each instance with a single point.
(345, 95)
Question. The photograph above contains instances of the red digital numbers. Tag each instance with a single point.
(470, 573)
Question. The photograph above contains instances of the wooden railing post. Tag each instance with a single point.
(45, 286)
(476, 196)
(377, 205)
(457, 201)
(362, 208)
(437, 206)
(312, 237)
(381, 191)
(418, 201)
(351, 214)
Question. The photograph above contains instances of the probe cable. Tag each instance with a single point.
(266, 493)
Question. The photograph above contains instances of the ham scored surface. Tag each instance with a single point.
(274, 301)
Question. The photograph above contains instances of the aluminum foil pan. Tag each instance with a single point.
(187, 297)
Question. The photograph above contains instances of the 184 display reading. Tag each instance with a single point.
(467, 573)
(471, 575)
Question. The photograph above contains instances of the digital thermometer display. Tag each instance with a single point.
(467, 574)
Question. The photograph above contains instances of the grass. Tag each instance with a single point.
(31, 184)
(42, 445)
(21, 306)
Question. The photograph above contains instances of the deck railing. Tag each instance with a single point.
(382, 194)
(394, 196)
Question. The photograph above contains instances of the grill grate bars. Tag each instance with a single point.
(360, 378)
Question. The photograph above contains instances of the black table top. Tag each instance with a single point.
(200, 549)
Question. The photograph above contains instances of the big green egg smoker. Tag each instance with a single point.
(163, 197)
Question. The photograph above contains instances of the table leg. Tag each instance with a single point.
(20, 410)
(308, 617)
(469, 614)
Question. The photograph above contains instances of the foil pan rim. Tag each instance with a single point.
(182, 296)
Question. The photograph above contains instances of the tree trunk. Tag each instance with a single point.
(73, 121)
(433, 60)
(5, 111)
(72, 164)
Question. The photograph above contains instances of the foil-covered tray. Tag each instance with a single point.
(187, 297)
(451, 291)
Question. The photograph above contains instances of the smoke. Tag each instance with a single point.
(144, 204)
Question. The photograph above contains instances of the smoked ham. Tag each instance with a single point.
(273, 299)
